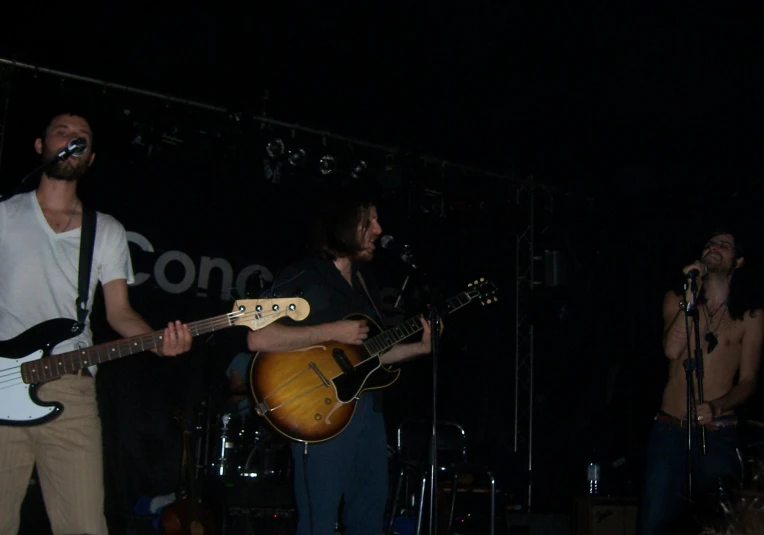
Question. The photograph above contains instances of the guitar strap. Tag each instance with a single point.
(365, 289)
(87, 244)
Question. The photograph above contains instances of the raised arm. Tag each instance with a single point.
(127, 322)
(674, 329)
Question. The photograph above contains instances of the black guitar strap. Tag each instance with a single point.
(87, 244)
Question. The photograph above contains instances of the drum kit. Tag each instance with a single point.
(245, 465)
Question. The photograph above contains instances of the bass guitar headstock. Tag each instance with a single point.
(257, 313)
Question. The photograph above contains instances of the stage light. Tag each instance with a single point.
(327, 164)
(358, 169)
(275, 148)
(296, 157)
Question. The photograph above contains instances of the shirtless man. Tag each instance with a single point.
(731, 332)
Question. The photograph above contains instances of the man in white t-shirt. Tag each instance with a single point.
(39, 259)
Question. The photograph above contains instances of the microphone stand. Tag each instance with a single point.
(434, 319)
(693, 363)
(63, 154)
(433, 450)
(400, 295)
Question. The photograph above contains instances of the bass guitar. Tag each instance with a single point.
(26, 363)
(309, 395)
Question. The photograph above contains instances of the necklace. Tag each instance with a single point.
(711, 337)
(712, 314)
(71, 216)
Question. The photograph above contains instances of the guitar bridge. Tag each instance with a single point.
(318, 372)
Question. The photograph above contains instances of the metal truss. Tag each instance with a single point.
(523, 431)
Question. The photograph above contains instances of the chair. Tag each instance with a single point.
(412, 447)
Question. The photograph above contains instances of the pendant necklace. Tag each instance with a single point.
(71, 216)
(711, 337)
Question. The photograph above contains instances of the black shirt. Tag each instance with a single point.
(329, 295)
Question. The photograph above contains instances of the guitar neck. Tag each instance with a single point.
(54, 366)
(387, 339)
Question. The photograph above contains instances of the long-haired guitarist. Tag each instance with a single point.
(350, 468)
(39, 257)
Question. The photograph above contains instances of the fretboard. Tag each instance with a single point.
(54, 366)
(387, 339)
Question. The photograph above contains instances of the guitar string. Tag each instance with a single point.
(12, 373)
(416, 328)
(229, 318)
(152, 337)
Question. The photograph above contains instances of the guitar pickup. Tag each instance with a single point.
(342, 360)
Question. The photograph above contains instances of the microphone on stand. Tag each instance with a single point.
(696, 272)
(406, 256)
(404, 252)
(75, 148)
(692, 275)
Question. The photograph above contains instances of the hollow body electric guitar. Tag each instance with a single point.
(309, 395)
(26, 363)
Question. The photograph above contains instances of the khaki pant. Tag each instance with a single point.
(69, 460)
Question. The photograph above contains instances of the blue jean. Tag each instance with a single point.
(352, 465)
(664, 495)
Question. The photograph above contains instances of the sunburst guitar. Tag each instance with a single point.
(310, 394)
(24, 364)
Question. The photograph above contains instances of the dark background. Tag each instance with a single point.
(639, 127)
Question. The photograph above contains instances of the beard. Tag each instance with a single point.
(70, 169)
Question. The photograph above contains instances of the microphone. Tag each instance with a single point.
(388, 242)
(696, 272)
(75, 148)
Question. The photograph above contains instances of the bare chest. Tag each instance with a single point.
(721, 348)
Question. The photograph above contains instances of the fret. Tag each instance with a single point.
(46, 373)
(389, 339)
(52, 366)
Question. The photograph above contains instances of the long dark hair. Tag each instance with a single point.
(745, 291)
(335, 229)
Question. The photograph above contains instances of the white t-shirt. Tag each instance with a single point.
(39, 268)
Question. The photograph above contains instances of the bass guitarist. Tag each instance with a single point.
(40, 235)
(337, 283)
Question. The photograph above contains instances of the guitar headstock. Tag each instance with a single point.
(482, 290)
(257, 313)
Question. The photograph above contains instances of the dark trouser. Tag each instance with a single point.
(664, 495)
(352, 465)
